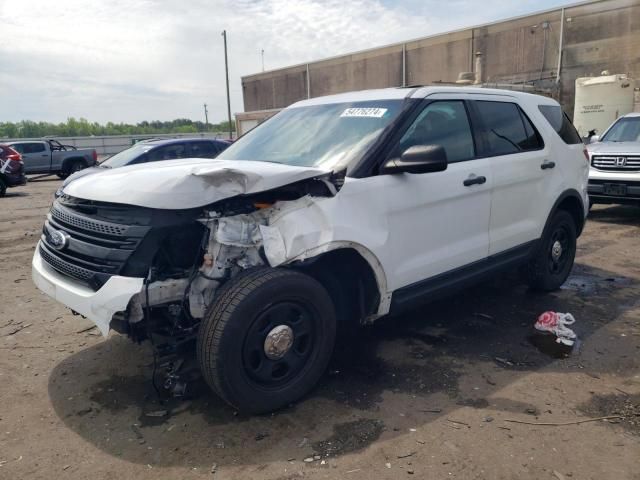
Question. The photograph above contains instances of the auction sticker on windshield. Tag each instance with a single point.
(371, 112)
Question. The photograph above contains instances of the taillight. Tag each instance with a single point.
(16, 157)
(14, 166)
(95, 156)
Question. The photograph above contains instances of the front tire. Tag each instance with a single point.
(553, 259)
(267, 339)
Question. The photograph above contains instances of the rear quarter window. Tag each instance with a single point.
(560, 123)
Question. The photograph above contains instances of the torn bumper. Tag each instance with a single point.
(99, 306)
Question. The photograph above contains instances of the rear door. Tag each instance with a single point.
(35, 155)
(521, 172)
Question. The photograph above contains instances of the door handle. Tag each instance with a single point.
(473, 180)
(44, 155)
(546, 164)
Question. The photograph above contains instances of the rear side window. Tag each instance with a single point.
(560, 123)
(507, 129)
(203, 149)
(34, 147)
(168, 152)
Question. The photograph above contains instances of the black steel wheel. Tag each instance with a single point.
(279, 343)
(553, 259)
(267, 338)
(559, 251)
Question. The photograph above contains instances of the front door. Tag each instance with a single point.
(436, 222)
(35, 155)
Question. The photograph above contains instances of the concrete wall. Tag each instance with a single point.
(112, 144)
(598, 35)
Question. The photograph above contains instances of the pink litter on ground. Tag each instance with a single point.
(556, 323)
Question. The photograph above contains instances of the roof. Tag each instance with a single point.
(168, 141)
(396, 93)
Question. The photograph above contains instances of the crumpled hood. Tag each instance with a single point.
(185, 183)
(612, 148)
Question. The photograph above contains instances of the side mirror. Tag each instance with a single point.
(594, 139)
(418, 159)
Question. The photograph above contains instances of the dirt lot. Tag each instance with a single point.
(428, 395)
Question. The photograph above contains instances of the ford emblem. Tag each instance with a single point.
(58, 239)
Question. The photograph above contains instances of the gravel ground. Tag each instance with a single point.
(433, 394)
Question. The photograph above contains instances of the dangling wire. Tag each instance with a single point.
(147, 318)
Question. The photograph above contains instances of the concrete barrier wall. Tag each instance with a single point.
(112, 144)
(598, 35)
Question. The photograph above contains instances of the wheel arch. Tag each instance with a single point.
(570, 201)
(353, 276)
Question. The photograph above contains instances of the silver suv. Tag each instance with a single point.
(614, 174)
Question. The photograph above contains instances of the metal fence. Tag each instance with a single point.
(112, 144)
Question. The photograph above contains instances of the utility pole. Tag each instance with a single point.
(226, 69)
(262, 53)
(206, 118)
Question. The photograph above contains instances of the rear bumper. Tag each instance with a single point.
(98, 306)
(15, 179)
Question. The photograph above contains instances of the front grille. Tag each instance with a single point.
(65, 267)
(93, 250)
(619, 163)
(59, 213)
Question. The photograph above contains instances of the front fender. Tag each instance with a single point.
(301, 230)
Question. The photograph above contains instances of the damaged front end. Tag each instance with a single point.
(223, 239)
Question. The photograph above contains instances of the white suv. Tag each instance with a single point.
(336, 210)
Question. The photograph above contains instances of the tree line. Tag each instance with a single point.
(83, 128)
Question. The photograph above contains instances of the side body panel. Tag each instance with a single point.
(416, 226)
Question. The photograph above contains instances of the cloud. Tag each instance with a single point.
(139, 60)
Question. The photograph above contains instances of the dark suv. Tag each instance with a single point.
(11, 169)
(156, 149)
(166, 149)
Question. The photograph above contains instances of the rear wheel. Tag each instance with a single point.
(553, 260)
(3, 187)
(74, 166)
(267, 339)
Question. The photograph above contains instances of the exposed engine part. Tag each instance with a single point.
(234, 245)
(159, 292)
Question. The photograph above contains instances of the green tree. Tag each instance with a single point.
(82, 127)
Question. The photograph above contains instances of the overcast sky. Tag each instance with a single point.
(133, 60)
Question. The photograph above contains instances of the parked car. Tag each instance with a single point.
(51, 157)
(336, 210)
(614, 176)
(155, 150)
(11, 169)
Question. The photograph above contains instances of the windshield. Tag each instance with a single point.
(624, 130)
(126, 156)
(325, 136)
